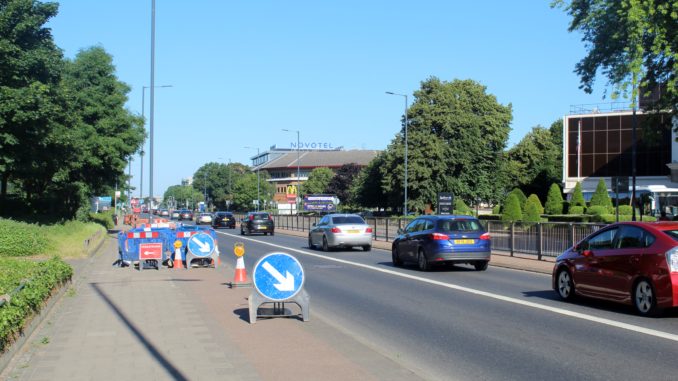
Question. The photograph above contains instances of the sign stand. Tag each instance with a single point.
(201, 246)
(278, 278)
(150, 253)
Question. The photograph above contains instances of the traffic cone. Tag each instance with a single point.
(178, 263)
(240, 278)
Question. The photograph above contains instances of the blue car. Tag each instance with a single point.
(428, 240)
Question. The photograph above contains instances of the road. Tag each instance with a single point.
(456, 323)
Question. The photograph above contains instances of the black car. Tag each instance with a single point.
(223, 220)
(185, 214)
(257, 222)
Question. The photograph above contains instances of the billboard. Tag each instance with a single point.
(320, 202)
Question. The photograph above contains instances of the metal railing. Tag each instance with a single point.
(544, 239)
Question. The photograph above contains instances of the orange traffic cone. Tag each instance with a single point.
(178, 263)
(240, 278)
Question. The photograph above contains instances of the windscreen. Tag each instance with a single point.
(339, 220)
(261, 216)
(460, 225)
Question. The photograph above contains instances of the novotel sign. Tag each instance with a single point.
(312, 145)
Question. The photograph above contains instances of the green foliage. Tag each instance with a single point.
(631, 42)
(597, 210)
(245, 191)
(521, 197)
(577, 198)
(104, 219)
(554, 201)
(610, 218)
(456, 134)
(569, 218)
(184, 195)
(600, 196)
(43, 278)
(496, 209)
(342, 182)
(20, 239)
(490, 217)
(533, 209)
(512, 210)
(576, 209)
(367, 188)
(318, 180)
(625, 210)
(461, 208)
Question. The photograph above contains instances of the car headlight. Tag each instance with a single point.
(672, 259)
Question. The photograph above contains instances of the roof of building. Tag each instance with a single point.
(313, 159)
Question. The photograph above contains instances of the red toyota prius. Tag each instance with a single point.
(633, 263)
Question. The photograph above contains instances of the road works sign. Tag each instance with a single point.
(278, 276)
(201, 245)
(150, 251)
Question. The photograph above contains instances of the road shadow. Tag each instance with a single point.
(541, 294)
(152, 350)
(266, 313)
(435, 268)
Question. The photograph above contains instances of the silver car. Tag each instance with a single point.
(340, 230)
(203, 218)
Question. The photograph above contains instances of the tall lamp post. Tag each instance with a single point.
(228, 202)
(299, 193)
(141, 153)
(404, 95)
(258, 197)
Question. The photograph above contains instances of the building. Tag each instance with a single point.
(598, 145)
(282, 164)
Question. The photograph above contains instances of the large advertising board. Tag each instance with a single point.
(320, 202)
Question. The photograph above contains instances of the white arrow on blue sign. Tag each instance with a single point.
(201, 245)
(278, 276)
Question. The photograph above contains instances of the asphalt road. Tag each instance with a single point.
(456, 323)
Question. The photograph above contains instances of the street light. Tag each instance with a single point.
(228, 202)
(404, 95)
(141, 153)
(258, 197)
(299, 193)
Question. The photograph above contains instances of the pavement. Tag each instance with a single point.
(122, 324)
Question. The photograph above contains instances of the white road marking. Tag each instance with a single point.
(561, 311)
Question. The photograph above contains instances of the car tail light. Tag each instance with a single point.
(672, 259)
(439, 237)
(485, 236)
(251, 217)
(335, 230)
(368, 230)
(270, 218)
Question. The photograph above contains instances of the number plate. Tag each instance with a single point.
(463, 241)
(353, 231)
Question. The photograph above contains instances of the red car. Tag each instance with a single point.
(633, 263)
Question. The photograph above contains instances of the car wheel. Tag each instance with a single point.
(367, 247)
(325, 245)
(242, 232)
(395, 257)
(422, 261)
(310, 243)
(644, 298)
(564, 284)
(481, 265)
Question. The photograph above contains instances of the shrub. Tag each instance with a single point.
(554, 200)
(610, 218)
(533, 209)
(577, 197)
(460, 207)
(104, 219)
(490, 217)
(597, 210)
(601, 197)
(569, 218)
(43, 278)
(496, 209)
(512, 211)
(575, 209)
(19, 239)
(521, 197)
(625, 210)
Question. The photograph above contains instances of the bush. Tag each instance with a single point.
(43, 278)
(533, 209)
(512, 211)
(104, 219)
(554, 200)
(496, 209)
(490, 217)
(521, 197)
(577, 197)
(610, 218)
(460, 207)
(597, 210)
(19, 239)
(625, 210)
(575, 209)
(601, 197)
(569, 218)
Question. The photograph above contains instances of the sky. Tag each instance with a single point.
(241, 71)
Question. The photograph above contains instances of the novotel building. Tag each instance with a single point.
(597, 144)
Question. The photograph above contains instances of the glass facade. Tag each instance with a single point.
(600, 146)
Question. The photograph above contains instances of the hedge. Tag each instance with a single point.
(597, 210)
(18, 239)
(576, 210)
(611, 218)
(569, 218)
(104, 219)
(41, 279)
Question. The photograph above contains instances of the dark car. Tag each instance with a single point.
(257, 222)
(442, 239)
(634, 263)
(185, 214)
(223, 220)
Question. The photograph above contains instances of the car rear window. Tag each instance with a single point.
(261, 216)
(347, 220)
(465, 225)
(672, 233)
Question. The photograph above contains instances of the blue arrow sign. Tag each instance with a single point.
(201, 245)
(278, 276)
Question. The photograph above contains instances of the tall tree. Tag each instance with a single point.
(537, 159)
(318, 180)
(367, 189)
(633, 42)
(341, 183)
(456, 134)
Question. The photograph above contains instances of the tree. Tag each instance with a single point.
(367, 188)
(533, 209)
(601, 197)
(185, 195)
(512, 210)
(318, 180)
(520, 196)
(343, 180)
(456, 134)
(554, 201)
(632, 42)
(245, 191)
(577, 197)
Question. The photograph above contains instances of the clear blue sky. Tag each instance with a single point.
(243, 70)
